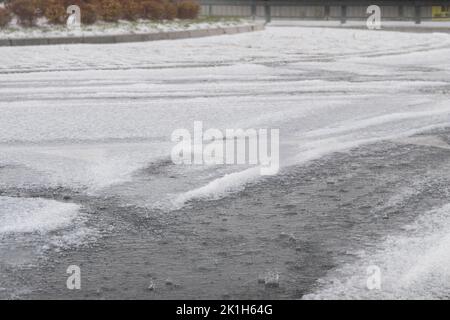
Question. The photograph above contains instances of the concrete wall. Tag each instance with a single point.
(236, 11)
(226, 10)
(426, 12)
(409, 12)
(298, 12)
(314, 12)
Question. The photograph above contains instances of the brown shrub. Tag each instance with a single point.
(25, 10)
(5, 17)
(110, 10)
(90, 9)
(153, 9)
(170, 11)
(55, 11)
(40, 7)
(131, 9)
(188, 9)
(89, 13)
(68, 3)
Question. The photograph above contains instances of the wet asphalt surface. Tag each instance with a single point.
(300, 224)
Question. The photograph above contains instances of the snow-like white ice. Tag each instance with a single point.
(219, 188)
(44, 29)
(90, 117)
(413, 264)
(110, 103)
(28, 215)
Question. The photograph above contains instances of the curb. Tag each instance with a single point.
(417, 29)
(401, 29)
(410, 29)
(404, 29)
(125, 38)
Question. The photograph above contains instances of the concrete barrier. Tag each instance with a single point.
(178, 35)
(99, 39)
(198, 33)
(257, 27)
(129, 38)
(62, 40)
(5, 42)
(28, 42)
(231, 30)
(123, 38)
(155, 36)
(216, 32)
